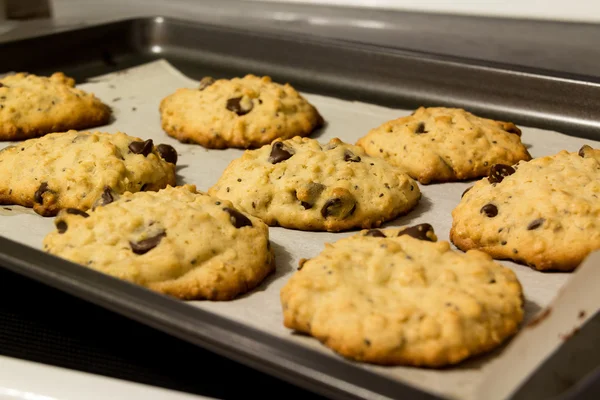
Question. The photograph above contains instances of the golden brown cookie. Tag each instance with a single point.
(544, 213)
(32, 106)
(243, 112)
(176, 241)
(439, 144)
(398, 297)
(81, 169)
(301, 184)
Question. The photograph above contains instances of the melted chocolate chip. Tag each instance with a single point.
(168, 153)
(205, 82)
(583, 149)
(350, 156)
(465, 192)
(375, 233)
(38, 195)
(75, 211)
(421, 232)
(107, 196)
(144, 148)
(420, 128)
(500, 171)
(536, 223)
(237, 219)
(489, 210)
(306, 205)
(144, 246)
(235, 105)
(337, 208)
(330, 205)
(279, 153)
(61, 226)
(1, 85)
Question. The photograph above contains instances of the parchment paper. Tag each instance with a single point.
(135, 94)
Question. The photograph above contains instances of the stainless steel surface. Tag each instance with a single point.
(559, 46)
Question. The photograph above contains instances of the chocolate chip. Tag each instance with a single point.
(279, 153)
(237, 219)
(235, 105)
(61, 226)
(38, 195)
(306, 205)
(489, 210)
(536, 223)
(583, 150)
(350, 156)
(330, 206)
(75, 211)
(168, 153)
(342, 206)
(420, 128)
(500, 171)
(144, 148)
(144, 246)
(421, 232)
(107, 196)
(205, 82)
(375, 233)
(1, 85)
(465, 192)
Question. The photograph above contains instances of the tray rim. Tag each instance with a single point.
(92, 286)
(325, 41)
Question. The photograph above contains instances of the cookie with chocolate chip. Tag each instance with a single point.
(399, 297)
(81, 170)
(176, 241)
(243, 112)
(445, 144)
(32, 106)
(302, 184)
(543, 213)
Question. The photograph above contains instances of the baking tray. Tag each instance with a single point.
(357, 72)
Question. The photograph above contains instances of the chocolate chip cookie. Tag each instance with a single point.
(32, 105)
(81, 170)
(243, 112)
(176, 241)
(445, 144)
(301, 184)
(397, 296)
(543, 213)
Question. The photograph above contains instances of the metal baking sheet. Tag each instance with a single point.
(251, 330)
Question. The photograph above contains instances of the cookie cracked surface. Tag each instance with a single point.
(543, 213)
(398, 297)
(176, 241)
(243, 112)
(81, 169)
(440, 144)
(301, 184)
(32, 106)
